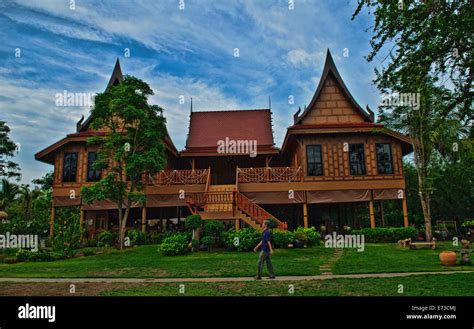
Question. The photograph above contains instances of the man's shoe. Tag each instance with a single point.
(272, 277)
(258, 278)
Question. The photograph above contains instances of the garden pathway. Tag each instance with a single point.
(223, 279)
(326, 268)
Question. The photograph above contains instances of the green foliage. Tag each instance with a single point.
(106, 238)
(213, 228)
(67, 229)
(137, 237)
(193, 222)
(133, 145)
(174, 245)
(208, 241)
(468, 224)
(88, 252)
(23, 255)
(387, 234)
(281, 239)
(8, 168)
(243, 240)
(308, 236)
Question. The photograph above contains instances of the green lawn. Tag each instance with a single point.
(145, 261)
(458, 284)
(378, 258)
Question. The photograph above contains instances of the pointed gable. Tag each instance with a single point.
(332, 102)
(116, 76)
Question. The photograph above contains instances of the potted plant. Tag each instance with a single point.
(448, 258)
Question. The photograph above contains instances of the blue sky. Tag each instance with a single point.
(186, 53)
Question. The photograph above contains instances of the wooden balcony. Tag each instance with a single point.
(179, 177)
(269, 175)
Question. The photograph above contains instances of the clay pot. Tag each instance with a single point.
(448, 258)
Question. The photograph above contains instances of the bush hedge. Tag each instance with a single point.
(176, 244)
(386, 234)
(243, 240)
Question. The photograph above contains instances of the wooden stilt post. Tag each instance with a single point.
(371, 213)
(237, 224)
(143, 219)
(405, 212)
(81, 222)
(382, 215)
(305, 215)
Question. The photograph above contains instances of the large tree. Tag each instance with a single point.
(131, 148)
(423, 42)
(8, 148)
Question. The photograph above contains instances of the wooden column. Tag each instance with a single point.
(144, 219)
(81, 222)
(382, 215)
(193, 164)
(51, 222)
(237, 224)
(405, 212)
(371, 212)
(305, 215)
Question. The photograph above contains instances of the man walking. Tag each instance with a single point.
(265, 253)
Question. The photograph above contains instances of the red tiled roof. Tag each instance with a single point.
(337, 125)
(206, 128)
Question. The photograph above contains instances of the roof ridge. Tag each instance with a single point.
(239, 110)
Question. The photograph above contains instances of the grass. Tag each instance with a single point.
(146, 262)
(382, 258)
(457, 284)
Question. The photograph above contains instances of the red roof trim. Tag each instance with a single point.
(337, 125)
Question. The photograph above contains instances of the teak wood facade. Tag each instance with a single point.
(333, 154)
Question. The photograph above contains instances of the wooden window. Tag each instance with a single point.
(69, 167)
(384, 159)
(93, 175)
(314, 157)
(357, 159)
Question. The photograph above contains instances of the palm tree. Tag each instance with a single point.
(8, 193)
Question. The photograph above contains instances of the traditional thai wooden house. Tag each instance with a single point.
(333, 154)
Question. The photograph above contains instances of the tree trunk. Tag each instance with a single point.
(421, 170)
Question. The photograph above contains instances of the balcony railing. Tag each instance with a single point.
(269, 174)
(179, 177)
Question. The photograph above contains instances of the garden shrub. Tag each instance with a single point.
(88, 252)
(176, 244)
(23, 255)
(308, 236)
(387, 234)
(281, 239)
(137, 237)
(67, 229)
(106, 238)
(213, 228)
(243, 240)
(208, 241)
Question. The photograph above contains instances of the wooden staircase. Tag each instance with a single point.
(225, 202)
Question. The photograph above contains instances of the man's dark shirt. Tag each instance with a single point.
(265, 239)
